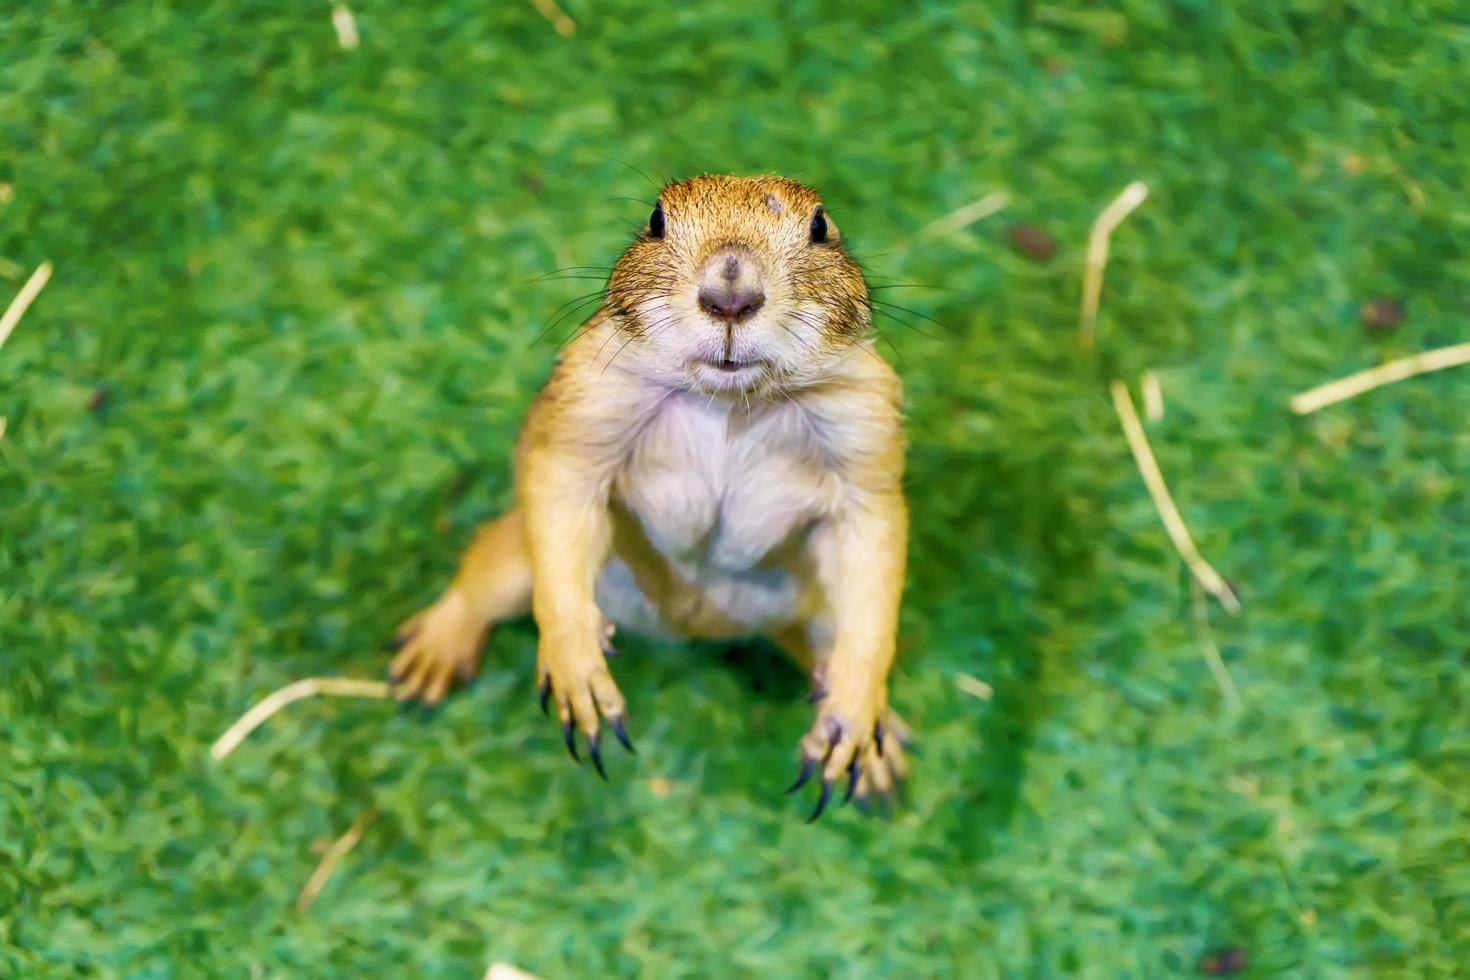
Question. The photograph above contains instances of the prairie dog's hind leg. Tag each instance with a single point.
(808, 644)
(443, 643)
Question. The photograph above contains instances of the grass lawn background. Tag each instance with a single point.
(274, 383)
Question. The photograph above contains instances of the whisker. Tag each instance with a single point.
(571, 309)
(625, 163)
(616, 353)
(912, 285)
(891, 346)
(887, 309)
(869, 351)
(577, 299)
(653, 409)
(866, 257)
(574, 268)
(581, 330)
(632, 337)
(610, 336)
(804, 318)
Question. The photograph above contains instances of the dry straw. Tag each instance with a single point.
(505, 971)
(1143, 455)
(309, 687)
(1097, 257)
(560, 22)
(1153, 479)
(974, 687)
(964, 217)
(346, 27)
(334, 853)
(1356, 384)
(23, 300)
(1210, 651)
(1153, 397)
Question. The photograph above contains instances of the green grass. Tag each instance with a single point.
(302, 278)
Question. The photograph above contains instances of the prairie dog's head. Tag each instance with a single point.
(738, 284)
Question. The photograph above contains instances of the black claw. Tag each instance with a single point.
(595, 750)
(878, 736)
(852, 780)
(834, 734)
(821, 800)
(569, 732)
(545, 695)
(818, 693)
(397, 642)
(622, 734)
(609, 651)
(808, 766)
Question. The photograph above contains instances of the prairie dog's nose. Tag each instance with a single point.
(730, 286)
(731, 304)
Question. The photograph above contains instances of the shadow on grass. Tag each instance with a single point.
(1002, 584)
(760, 666)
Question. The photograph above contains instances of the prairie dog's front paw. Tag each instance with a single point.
(857, 737)
(576, 676)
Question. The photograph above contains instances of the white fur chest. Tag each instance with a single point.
(719, 486)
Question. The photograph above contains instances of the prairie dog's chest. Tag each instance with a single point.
(717, 484)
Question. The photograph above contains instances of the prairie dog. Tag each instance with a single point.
(718, 453)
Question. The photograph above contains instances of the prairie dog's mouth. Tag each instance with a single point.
(727, 373)
(728, 365)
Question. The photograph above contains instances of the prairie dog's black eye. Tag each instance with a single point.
(819, 225)
(656, 221)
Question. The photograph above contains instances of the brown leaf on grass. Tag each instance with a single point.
(1224, 963)
(1382, 313)
(1034, 242)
